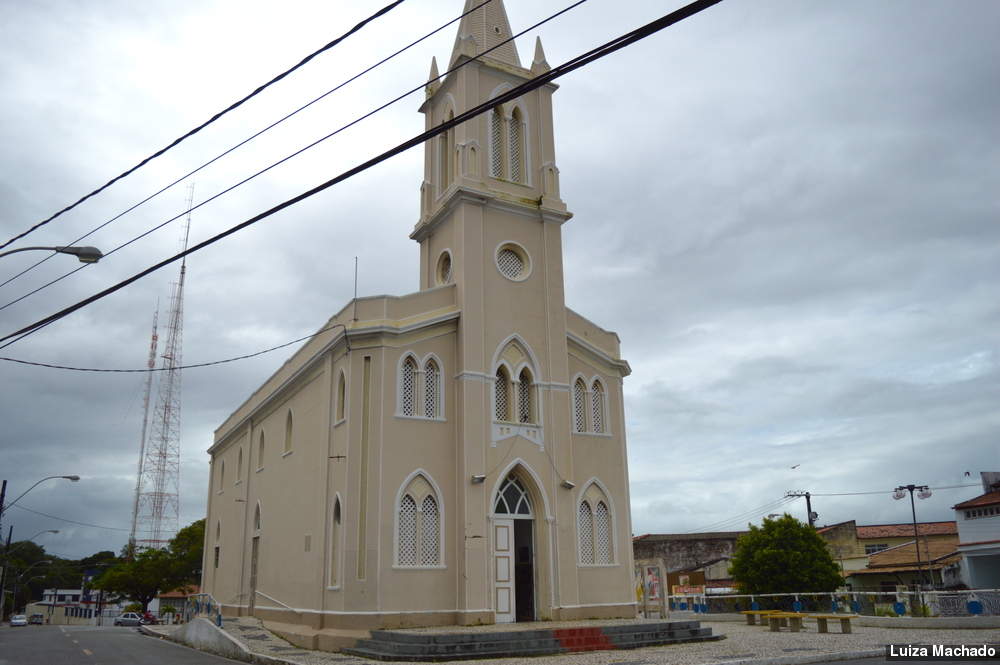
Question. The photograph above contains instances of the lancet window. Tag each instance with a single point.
(595, 529)
(418, 526)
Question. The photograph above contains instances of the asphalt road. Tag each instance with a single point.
(93, 645)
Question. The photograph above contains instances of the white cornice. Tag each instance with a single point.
(621, 364)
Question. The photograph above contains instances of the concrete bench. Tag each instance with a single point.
(822, 619)
(752, 615)
(791, 619)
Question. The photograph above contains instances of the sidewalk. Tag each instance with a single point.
(744, 645)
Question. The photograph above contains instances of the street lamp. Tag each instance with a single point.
(4, 508)
(923, 492)
(86, 254)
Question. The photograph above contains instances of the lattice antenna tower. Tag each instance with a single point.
(150, 363)
(159, 498)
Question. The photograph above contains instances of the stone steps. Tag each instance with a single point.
(389, 645)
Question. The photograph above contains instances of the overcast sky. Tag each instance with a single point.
(787, 210)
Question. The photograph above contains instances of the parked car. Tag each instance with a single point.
(18, 620)
(128, 619)
(37, 619)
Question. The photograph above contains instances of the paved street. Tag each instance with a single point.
(91, 645)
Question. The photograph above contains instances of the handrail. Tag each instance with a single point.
(272, 598)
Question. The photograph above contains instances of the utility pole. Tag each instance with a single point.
(809, 509)
(3, 573)
(923, 492)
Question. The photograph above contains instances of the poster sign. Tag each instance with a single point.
(689, 590)
(652, 574)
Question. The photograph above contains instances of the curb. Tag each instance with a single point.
(805, 659)
(245, 654)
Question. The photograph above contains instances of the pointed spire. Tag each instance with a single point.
(483, 29)
(433, 82)
(540, 65)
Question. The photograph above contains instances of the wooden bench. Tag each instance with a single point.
(791, 619)
(845, 621)
(752, 615)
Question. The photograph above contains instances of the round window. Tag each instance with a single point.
(444, 268)
(512, 261)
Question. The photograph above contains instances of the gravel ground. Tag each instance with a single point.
(743, 644)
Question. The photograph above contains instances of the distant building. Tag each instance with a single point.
(852, 544)
(703, 553)
(979, 536)
(899, 566)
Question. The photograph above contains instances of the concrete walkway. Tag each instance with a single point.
(745, 645)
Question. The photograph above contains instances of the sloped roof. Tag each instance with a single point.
(988, 499)
(870, 531)
(711, 535)
(906, 554)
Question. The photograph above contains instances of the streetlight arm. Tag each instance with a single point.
(74, 479)
(86, 254)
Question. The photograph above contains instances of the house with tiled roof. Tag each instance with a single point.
(978, 522)
(852, 545)
(901, 565)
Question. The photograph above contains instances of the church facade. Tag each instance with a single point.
(451, 456)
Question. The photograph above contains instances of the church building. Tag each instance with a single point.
(450, 456)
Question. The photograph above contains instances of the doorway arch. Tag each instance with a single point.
(515, 550)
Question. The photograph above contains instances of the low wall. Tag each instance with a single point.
(963, 623)
(204, 636)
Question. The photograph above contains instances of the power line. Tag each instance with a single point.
(771, 505)
(888, 491)
(163, 369)
(63, 519)
(294, 154)
(580, 61)
(230, 150)
(234, 105)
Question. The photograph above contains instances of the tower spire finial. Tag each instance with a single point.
(539, 65)
(433, 79)
(485, 27)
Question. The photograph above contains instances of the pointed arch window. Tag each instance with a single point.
(335, 544)
(512, 498)
(595, 528)
(260, 452)
(341, 396)
(432, 389)
(256, 518)
(418, 526)
(239, 467)
(288, 432)
(597, 406)
(496, 143)
(579, 406)
(585, 529)
(501, 396)
(516, 146)
(525, 398)
(222, 474)
(408, 387)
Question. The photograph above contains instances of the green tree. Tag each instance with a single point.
(186, 548)
(140, 578)
(783, 556)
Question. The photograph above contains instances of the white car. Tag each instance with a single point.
(18, 620)
(128, 619)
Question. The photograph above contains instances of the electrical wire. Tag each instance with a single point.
(292, 155)
(232, 149)
(234, 105)
(767, 507)
(887, 491)
(169, 368)
(582, 60)
(63, 519)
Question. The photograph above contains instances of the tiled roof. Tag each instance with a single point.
(934, 565)
(868, 532)
(905, 554)
(988, 499)
(711, 535)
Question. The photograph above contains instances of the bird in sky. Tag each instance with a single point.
(797, 465)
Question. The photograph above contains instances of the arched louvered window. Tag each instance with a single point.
(517, 147)
(341, 396)
(407, 531)
(408, 388)
(602, 534)
(501, 390)
(288, 432)
(579, 406)
(432, 390)
(597, 397)
(496, 143)
(419, 525)
(585, 528)
(429, 532)
(525, 398)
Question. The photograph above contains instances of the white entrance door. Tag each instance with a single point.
(503, 569)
